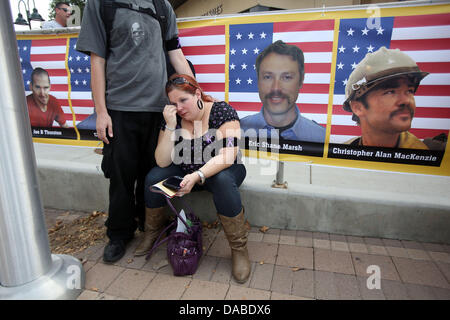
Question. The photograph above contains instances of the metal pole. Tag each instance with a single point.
(278, 182)
(27, 268)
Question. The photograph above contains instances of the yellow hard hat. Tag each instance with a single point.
(382, 65)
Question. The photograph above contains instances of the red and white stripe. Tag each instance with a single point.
(205, 48)
(426, 39)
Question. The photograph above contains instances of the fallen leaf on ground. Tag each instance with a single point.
(263, 229)
(297, 269)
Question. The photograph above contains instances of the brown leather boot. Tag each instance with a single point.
(155, 220)
(237, 235)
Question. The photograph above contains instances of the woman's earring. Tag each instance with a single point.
(200, 104)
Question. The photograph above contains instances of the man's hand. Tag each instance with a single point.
(104, 127)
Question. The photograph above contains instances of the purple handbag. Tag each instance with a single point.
(184, 250)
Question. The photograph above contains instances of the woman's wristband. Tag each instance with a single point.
(170, 129)
(202, 176)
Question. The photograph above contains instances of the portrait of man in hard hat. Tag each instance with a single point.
(380, 94)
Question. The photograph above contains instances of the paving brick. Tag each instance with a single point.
(418, 254)
(375, 249)
(369, 294)
(433, 247)
(271, 238)
(392, 243)
(242, 293)
(412, 245)
(362, 261)
(165, 287)
(397, 252)
(261, 251)
(419, 292)
(420, 272)
(357, 247)
(355, 239)
(206, 267)
(262, 276)
(324, 286)
(347, 286)
(445, 269)
(105, 296)
(158, 262)
(88, 295)
(446, 247)
(208, 237)
(293, 256)
(439, 256)
(205, 290)
(322, 244)
(339, 246)
(101, 276)
(321, 235)
(95, 253)
(303, 283)
(130, 283)
(281, 296)
(282, 280)
(257, 237)
(88, 265)
(373, 241)
(333, 261)
(288, 237)
(304, 239)
(222, 272)
(338, 237)
(441, 294)
(220, 248)
(394, 290)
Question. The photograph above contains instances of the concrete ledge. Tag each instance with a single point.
(318, 198)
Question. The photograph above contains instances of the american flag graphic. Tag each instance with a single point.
(51, 55)
(426, 39)
(79, 65)
(315, 38)
(205, 48)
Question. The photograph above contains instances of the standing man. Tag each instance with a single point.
(128, 77)
(62, 12)
(380, 94)
(43, 108)
(280, 70)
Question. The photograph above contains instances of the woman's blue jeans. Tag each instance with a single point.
(224, 186)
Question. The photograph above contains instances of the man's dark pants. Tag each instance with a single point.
(126, 160)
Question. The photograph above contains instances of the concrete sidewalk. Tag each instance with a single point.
(286, 264)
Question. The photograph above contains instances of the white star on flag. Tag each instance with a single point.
(370, 48)
(238, 81)
(239, 36)
(380, 30)
(263, 35)
(365, 31)
(340, 65)
(355, 48)
(250, 35)
(232, 66)
(350, 32)
(341, 49)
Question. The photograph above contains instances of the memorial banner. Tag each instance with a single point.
(224, 52)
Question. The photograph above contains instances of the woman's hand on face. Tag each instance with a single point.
(170, 115)
(188, 183)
